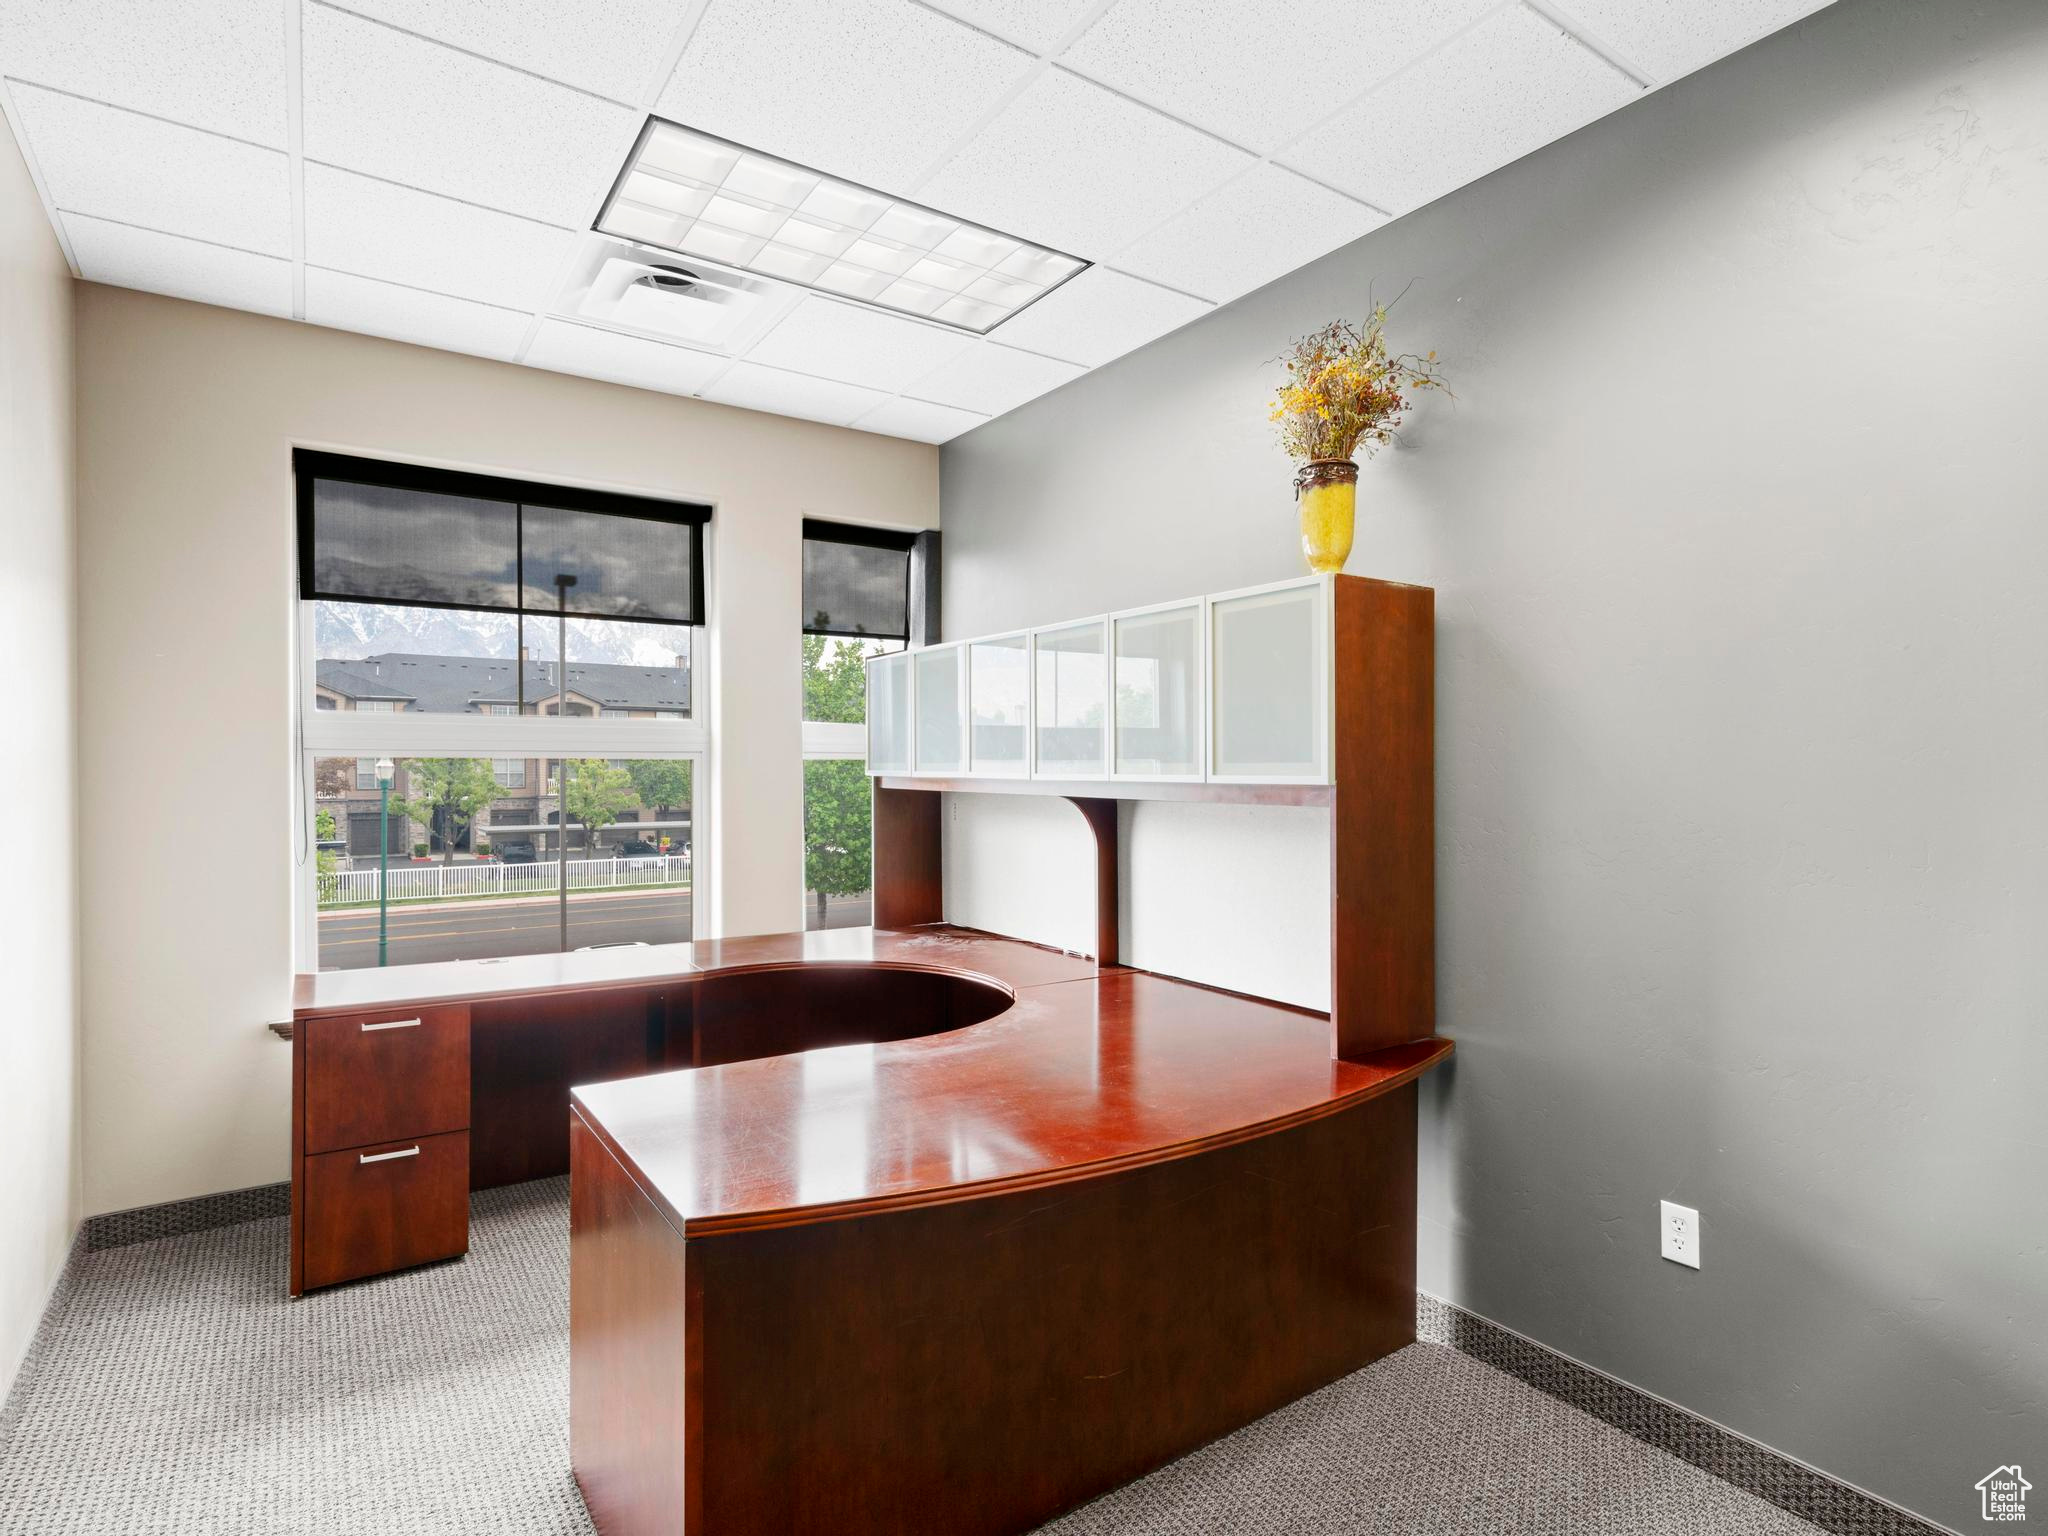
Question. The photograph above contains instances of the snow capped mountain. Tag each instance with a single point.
(352, 630)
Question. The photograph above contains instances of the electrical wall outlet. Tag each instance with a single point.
(1680, 1225)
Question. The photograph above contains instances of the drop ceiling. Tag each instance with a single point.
(434, 170)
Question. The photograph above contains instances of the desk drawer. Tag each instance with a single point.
(373, 1077)
(378, 1208)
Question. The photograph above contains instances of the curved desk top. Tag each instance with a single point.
(1089, 1071)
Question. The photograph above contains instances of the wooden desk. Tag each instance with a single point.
(415, 1085)
(1040, 1227)
(964, 1281)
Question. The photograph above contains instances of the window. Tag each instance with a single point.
(464, 863)
(428, 591)
(857, 604)
(446, 619)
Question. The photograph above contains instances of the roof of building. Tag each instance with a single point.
(350, 684)
(461, 684)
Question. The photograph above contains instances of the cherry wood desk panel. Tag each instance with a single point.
(491, 1048)
(464, 981)
(1077, 1078)
(654, 965)
(966, 1281)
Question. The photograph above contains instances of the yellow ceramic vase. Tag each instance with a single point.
(1328, 492)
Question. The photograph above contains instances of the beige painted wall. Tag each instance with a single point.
(187, 419)
(39, 1139)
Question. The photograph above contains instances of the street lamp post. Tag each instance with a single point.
(385, 769)
(563, 582)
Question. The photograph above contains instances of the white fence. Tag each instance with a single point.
(488, 877)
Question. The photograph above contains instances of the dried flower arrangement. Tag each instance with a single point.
(1345, 390)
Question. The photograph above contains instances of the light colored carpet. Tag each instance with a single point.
(179, 1392)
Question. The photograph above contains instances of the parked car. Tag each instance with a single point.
(638, 848)
(515, 850)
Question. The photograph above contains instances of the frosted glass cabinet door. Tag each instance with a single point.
(1071, 679)
(889, 714)
(941, 710)
(1158, 672)
(1269, 684)
(998, 704)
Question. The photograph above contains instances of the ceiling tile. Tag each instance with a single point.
(1100, 315)
(373, 229)
(218, 66)
(353, 303)
(390, 105)
(854, 345)
(1033, 24)
(622, 359)
(1242, 236)
(124, 166)
(1673, 40)
(792, 394)
(993, 379)
(871, 90)
(1078, 167)
(1510, 85)
(1255, 73)
(612, 47)
(919, 419)
(185, 269)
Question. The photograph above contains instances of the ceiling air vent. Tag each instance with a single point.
(700, 305)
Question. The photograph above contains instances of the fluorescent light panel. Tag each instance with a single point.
(701, 196)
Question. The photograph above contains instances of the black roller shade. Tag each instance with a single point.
(625, 567)
(371, 532)
(856, 581)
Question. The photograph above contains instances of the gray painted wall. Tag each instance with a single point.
(1738, 534)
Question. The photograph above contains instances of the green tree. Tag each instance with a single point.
(839, 826)
(836, 679)
(452, 789)
(839, 829)
(326, 863)
(663, 785)
(593, 795)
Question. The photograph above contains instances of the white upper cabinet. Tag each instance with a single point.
(941, 694)
(889, 713)
(1269, 683)
(1233, 688)
(1070, 684)
(999, 705)
(1156, 667)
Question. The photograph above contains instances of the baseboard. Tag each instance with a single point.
(1772, 1476)
(117, 1229)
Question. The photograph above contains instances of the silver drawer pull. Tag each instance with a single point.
(392, 1024)
(385, 1157)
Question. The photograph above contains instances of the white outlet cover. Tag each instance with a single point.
(1679, 1226)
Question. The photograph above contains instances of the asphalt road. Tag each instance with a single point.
(474, 930)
